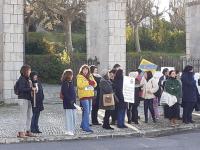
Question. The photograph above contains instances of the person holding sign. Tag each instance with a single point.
(122, 105)
(149, 87)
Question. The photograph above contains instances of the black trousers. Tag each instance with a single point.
(114, 115)
(188, 108)
(148, 105)
(108, 114)
(132, 113)
(95, 109)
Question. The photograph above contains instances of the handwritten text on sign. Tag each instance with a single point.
(129, 89)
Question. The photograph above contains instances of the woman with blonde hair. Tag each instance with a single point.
(69, 99)
(85, 85)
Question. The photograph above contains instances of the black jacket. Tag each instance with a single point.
(97, 92)
(39, 99)
(24, 88)
(189, 87)
(105, 88)
(118, 89)
(68, 91)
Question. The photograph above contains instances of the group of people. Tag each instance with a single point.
(30, 93)
(184, 88)
(91, 89)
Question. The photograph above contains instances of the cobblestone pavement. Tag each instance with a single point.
(52, 123)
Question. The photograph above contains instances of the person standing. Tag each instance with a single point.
(132, 112)
(114, 114)
(24, 88)
(149, 87)
(190, 93)
(121, 105)
(69, 99)
(95, 102)
(161, 85)
(106, 88)
(37, 102)
(85, 85)
(173, 87)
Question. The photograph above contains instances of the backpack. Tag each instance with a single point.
(16, 87)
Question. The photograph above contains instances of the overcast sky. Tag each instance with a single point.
(164, 4)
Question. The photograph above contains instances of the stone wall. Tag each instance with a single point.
(106, 37)
(193, 29)
(12, 45)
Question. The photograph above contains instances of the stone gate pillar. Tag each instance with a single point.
(192, 28)
(11, 46)
(106, 37)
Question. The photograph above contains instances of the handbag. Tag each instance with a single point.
(108, 100)
(167, 99)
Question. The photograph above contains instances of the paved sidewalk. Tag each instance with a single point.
(52, 123)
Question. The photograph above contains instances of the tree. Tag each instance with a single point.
(65, 11)
(177, 14)
(137, 11)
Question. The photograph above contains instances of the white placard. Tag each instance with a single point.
(129, 89)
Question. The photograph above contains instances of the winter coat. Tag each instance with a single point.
(69, 94)
(24, 88)
(105, 88)
(39, 99)
(83, 84)
(149, 88)
(96, 98)
(189, 87)
(173, 87)
(118, 89)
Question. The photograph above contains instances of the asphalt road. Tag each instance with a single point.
(186, 141)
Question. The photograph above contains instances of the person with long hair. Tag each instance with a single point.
(69, 99)
(85, 85)
(25, 88)
(149, 87)
(190, 93)
(173, 87)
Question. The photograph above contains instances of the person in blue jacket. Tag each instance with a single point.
(69, 99)
(190, 94)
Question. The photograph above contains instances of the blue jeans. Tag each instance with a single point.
(87, 107)
(34, 121)
(121, 117)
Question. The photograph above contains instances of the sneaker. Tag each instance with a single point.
(69, 133)
(89, 130)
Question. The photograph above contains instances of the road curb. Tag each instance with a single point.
(56, 138)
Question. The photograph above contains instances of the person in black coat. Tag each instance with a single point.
(69, 100)
(37, 102)
(95, 102)
(190, 93)
(106, 88)
(121, 105)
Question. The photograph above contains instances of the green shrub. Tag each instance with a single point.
(40, 43)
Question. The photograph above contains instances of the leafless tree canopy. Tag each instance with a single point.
(177, 13)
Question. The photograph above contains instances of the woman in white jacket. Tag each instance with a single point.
(149, 87)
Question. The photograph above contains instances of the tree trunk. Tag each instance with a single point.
(68, 35)
(137, 39)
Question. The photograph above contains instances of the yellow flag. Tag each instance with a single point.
(146, 65)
